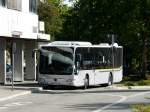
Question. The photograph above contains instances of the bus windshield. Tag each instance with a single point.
(56, 60)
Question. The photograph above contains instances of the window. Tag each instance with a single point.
(86, 61)
(2, 2)
(56, 60)
(14, 4)
(118, 55)
(33, 6)
(102, 58)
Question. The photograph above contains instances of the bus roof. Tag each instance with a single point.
(68, 43)
(78, 44)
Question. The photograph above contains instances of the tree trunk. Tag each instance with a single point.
(144, 61)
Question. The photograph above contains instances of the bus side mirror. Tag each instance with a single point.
(34, 52)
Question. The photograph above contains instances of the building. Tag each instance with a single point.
(19, 24)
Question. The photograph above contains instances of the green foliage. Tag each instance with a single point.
(128, 82)
(51, 13)
(140, 108)
(93, 20)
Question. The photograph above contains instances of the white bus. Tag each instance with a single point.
(79, 64)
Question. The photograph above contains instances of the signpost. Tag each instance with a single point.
(112, 43)
(13, 53)
(112, 47)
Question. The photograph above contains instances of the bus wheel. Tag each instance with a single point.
(86, 82)
(110, 80)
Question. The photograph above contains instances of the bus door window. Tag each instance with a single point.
(98, 59)
(87, 61)
(78, 61)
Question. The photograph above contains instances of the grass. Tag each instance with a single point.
(128, 82)
(136, 83)
(140, 108)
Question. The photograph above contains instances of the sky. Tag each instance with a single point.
(68, 3)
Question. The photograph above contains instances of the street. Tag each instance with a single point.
(97, 99)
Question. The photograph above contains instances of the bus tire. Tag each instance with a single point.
(110, 79)
(86, 82)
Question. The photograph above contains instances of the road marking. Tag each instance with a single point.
(14, 96)
(14, 104)
(17, 104)
(123, 98)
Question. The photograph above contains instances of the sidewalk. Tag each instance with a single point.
(26, 88)
(121, 87)
(8, 93)
(20, 89)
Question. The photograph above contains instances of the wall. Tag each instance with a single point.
(22, 22)
(2, 60)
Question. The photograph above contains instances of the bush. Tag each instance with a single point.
(140, 108)
(141, 83)
(129, 83)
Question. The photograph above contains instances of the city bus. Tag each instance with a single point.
(79, 64)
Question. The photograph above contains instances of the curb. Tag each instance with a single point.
(131, 87)
(15, 95)
(109, 88)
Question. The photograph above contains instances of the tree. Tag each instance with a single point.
(51, 13)
(93, 20)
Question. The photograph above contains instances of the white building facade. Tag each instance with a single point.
(19, 24)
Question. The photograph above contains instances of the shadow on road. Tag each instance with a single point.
(114, 108)
(87, 91)
(34, 88)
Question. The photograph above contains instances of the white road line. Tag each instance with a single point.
(17, 104)
(14, 104)
(14, 96)
(123, 98)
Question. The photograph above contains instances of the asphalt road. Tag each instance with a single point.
(91, 100)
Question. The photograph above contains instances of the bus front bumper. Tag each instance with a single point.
(56, 81)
